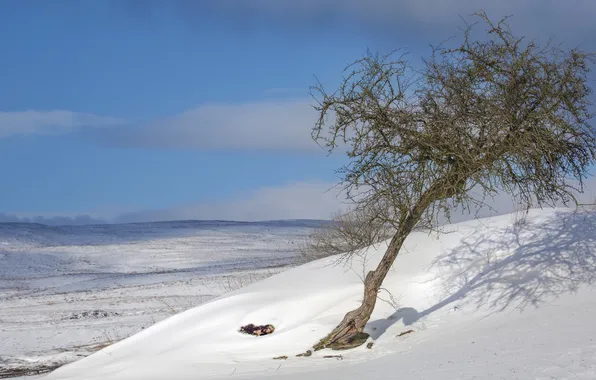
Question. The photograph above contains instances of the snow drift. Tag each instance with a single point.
(503, 297)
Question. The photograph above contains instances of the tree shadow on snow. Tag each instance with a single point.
(523, 265)
(407, 315)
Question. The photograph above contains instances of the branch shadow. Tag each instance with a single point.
(526, 264)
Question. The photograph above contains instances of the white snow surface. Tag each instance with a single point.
(499, 298)
(67, 291)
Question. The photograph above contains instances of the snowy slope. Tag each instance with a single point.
(498, 298)
(67, 291)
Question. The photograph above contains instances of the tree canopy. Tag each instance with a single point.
(496, 114)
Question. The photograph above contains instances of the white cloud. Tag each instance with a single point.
(272, 125)
(51, 219)
(503, 203)
(571, 19)
(305, 200)
(302, 200)
(299, 200)
(430, 11)
(50, 122)
(268, 125)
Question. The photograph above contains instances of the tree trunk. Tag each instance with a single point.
(349, 333)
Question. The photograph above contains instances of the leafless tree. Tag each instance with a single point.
(494, 114)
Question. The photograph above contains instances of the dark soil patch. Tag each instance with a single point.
(93, 314)
(257, 330)
(7, 373)
(405, 333)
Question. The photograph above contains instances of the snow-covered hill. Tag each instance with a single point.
(66, 291)
(498, 298)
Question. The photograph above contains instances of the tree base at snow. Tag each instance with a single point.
(346, 343)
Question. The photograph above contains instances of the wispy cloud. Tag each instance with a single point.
(421, 11)
(306, 200)
(50, 122)
(268, 125)
(275, 125)
(302, 200)
(384, 18)
(52, 220)
(299, 200)
(387, 9)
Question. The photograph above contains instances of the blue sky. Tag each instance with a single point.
(150, 110)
